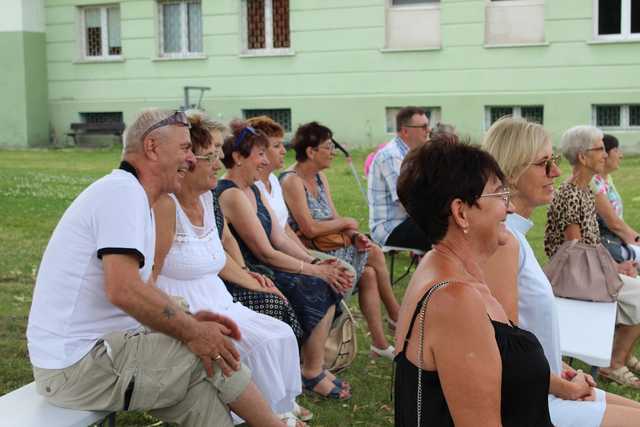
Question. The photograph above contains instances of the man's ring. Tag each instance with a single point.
(218, 357)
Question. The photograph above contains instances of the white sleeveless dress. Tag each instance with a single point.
(268, 346)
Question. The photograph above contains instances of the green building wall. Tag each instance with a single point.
(341, 74)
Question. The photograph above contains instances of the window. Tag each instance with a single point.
(266, 24)
(616, 19)
(100, 32)
(412, 24)
(280, 115)
(616, 116)
(180, 28)
(514, 22)
(532, 113)
(101, 118)
(432, 113)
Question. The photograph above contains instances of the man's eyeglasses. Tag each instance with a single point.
(211, 157)
(548, 163)
(177, 118)
(505, 195)
(423, 127)
(249, 130)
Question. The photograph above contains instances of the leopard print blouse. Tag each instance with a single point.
(571, 205)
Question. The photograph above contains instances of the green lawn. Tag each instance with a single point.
(37, 185)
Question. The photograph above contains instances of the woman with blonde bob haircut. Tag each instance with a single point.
(524, 152)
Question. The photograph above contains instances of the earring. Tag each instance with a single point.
(465, 230)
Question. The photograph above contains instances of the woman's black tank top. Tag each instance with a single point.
(525, 382)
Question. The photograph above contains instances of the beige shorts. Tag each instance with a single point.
(629, 301)
(169, 381)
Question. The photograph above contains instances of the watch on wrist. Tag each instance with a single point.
(637, 239)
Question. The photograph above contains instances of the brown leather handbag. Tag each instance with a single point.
(583, 272)
(327, 242)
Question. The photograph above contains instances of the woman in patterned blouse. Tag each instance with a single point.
(609, 203)
(572, 216)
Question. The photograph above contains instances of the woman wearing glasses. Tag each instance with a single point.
(609, 207)
(572, 216)
(190, 260)
(313, 288)
(523, 151)
(460, 362)
(308, 197)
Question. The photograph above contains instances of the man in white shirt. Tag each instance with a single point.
(389, 222)
(93, 294)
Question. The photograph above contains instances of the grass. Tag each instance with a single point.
(36, 186)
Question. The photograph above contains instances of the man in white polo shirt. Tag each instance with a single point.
(93, 294)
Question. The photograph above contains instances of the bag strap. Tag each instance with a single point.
(421, 308)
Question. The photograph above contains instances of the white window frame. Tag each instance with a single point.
(268, 32)
(184, 30)
(104, 29)
(625, 117)
(516, 111)
(625, 24)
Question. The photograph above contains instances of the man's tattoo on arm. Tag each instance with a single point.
(169, 312)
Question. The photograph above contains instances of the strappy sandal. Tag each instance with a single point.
(337, 393)
(622, 376)
(301, 412)
(633, 364)
(388, 352)
(339, 381)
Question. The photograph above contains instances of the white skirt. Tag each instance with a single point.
(577, 413)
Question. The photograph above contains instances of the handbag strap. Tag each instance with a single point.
(420, 314)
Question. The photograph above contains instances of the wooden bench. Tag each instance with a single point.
(102, 128)
(392, 251)
(586, 331)
(24, 407)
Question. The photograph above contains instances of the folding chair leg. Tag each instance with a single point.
(594, 372)
(392, 254)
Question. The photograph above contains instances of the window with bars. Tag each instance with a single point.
(616, 116)
(432, 113)
(280, 115)
(101, 117)
(532, 113)
(180, 28)
(617, 19)
(100, 32)
(267, 25)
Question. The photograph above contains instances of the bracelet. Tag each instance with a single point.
(315, 261)
(301, 267)
(637, 239)
(244, 267)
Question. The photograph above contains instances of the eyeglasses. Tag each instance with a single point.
(211, 157)
(423, 127)
(600, 148)
(249, 130)
(548, 163)
(505, 195)
(330, 146)
(177, 118)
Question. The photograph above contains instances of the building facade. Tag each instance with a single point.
(347, 63)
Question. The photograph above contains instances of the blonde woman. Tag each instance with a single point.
(523, 151)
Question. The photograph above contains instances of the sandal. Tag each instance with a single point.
(391, 324)
(301, 412)
(339, 382)
(389, 352)
(290, 420)
(633, 364)
(337, 393)
(622, 376)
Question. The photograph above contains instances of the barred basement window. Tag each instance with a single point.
(102, 117)
(180, 28)
(266, 24)
(616, 116)
(532, 113)
(100, 32)
(280, 115)
(432, 113)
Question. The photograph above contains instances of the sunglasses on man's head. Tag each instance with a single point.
(178, 118)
